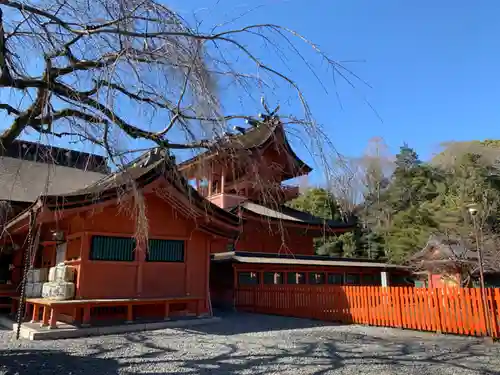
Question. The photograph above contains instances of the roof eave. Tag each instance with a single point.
(337, 227)
(259, 259)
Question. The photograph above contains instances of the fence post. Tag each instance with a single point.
(496, 312)
(437, 309)
(490, 303)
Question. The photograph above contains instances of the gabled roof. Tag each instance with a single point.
(444, 253)
(141, 172)
(440, 248)
(43, 153)
(284, 213)
(25, 180)
(257, 137)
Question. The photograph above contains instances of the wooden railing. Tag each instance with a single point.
(446, 310)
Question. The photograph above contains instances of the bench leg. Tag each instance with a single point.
(86, 316)
(130, 314)
(53, 319)
(45, 316)
(36, 313)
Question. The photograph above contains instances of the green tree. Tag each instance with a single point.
(321, 203)
(407, 159)
(400, 220)
(318, 202)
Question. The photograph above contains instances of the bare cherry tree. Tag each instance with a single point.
(75, 69)
(355, 180)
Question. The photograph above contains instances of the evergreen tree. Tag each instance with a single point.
(321, 203)
(406, 159)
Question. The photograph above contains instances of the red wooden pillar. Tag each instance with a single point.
(199, 307)
(130, 313)
(86, 316)
(167, 310)
(84, 258)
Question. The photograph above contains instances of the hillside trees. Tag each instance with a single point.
(398, 212)
(423, 199)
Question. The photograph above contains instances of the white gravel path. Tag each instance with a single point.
(254, 344)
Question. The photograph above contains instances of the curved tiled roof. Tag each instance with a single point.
(141, 172)
(254, 138)
(288, 214)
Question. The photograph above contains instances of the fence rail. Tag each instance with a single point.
(446, 310)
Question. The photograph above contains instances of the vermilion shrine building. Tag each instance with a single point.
(275, 246)
(214, 222)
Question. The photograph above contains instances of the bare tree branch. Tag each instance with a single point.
(102, 57)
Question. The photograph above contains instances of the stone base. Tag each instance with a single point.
(33, 331)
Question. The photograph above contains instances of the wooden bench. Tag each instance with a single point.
(51, 307)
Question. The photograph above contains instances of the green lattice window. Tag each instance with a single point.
(119, 249)
(273, 278)
(370, 279)
(335, 278)
(165, 251)
(296, 278)
(316, 278)
(248, 278)
(353, 279)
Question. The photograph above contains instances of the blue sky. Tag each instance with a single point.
(433, 67)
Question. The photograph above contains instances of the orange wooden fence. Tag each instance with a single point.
(446, 310)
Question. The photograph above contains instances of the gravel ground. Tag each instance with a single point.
(254, 344)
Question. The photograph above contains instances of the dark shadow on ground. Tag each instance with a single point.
(45, 362)
(240, 323)
(319, 352)
(354, 353)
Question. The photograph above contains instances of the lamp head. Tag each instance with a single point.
(473, 208)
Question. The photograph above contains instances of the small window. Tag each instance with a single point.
(369, 279)
(248, 278)
(119, 249)
(296, 278)
(353, 279)
(165, 251)
(273, 278)
(316, 278)
(335, 278)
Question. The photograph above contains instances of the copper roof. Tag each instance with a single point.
(285, 213)
(254, 138)
(142, 171)
(443, 248)
(25, 180)
(257, 258)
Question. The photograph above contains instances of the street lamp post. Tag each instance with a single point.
(473, 210)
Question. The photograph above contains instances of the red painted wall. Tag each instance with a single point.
(444, 280)
(108, 279)
(266, 238)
